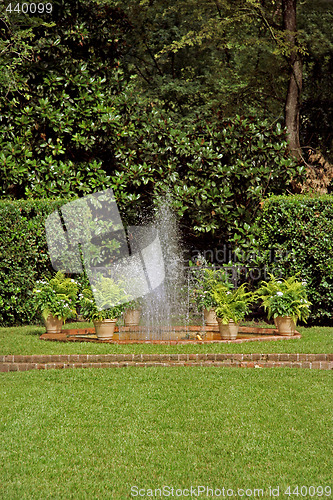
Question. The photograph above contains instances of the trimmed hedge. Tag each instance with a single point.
(23, 256)
(295, 234)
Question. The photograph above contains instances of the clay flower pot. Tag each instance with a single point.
(285, 325)
(132, 317)
(105, 329)
(210, 317)
(53, 324)
(229, 331)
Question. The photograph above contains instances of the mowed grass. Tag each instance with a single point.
(25, 340)
(96, 433)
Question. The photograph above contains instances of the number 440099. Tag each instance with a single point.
(30, 8)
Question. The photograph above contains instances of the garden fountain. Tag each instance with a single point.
(153, 270)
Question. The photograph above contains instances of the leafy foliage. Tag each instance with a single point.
(24, 256)
(294, 235)
(56, 296)
(58, 131)
(232, 304)
(110, 297)
(286, 297)
(204, 278)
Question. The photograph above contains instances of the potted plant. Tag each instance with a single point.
(206, 278)
(110, 297)
(232, 306)
(286, 301)
(55, 298)
(132, 313)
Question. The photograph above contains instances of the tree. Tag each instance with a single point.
(292, 105)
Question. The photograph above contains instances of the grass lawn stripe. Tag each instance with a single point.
(25, 340)
(89, 434)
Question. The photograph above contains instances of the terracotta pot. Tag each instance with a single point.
(285, 325)
(53, 324)
(210, 317)
(229, 331)
(105, 329)
(132, 317)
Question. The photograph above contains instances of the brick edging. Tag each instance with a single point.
(251, 360)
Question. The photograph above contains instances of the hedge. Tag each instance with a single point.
(23, 256)
(295, 234)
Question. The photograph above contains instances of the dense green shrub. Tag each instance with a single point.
(23, 256)
(78, 127)
(295, 234)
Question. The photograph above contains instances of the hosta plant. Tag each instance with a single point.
(56, 297)
(285, 297)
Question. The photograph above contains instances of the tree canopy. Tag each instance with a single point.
(152, 96)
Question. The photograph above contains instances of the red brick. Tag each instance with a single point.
(324, 365)
(23, 367)
(222, 356)
(174, 357)
(20, 359)
(92, 358)
(238, 357)
(273, 357)
(41, 359)
(303, 357)
(127, 357)
(305, 364)
(311, 357)
(247, 357)
(315, 364)
(83, 358)
(321, 357)
(164, 357)
(284, 357)
(4, 367)
(258, 357)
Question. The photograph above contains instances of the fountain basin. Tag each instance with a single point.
(174, 335)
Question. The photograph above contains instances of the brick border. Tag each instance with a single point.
(45, 362)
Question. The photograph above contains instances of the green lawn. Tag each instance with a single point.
(94, 434)
(25, 340)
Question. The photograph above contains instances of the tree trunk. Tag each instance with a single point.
(292, 105)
